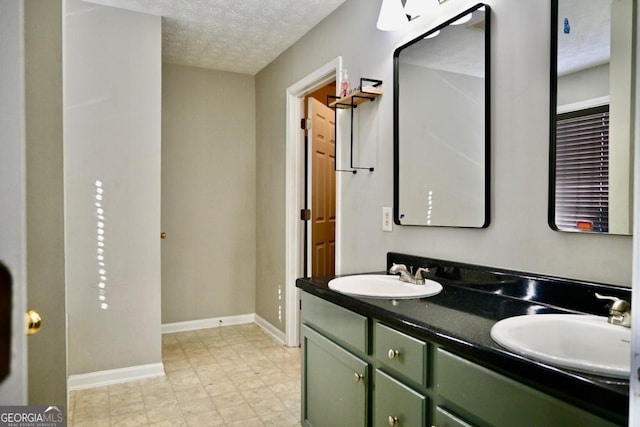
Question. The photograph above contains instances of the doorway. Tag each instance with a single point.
(296, 192)
(321, 183)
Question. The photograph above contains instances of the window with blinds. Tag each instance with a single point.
(582, 170)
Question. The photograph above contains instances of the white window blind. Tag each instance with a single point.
(582, 170)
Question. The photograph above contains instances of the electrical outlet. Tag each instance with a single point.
(387, 218)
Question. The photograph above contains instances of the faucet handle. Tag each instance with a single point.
(619, 304)
(420, 273)
(620, 311)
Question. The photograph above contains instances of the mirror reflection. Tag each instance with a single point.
(441, 126)
(591, 131)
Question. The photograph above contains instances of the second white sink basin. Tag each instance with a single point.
(383, 286)
(579, 342)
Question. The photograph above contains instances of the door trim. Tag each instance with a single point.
(294, 192)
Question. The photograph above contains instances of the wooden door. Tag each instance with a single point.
(323, 189)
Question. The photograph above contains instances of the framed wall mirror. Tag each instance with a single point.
(591, 122)
(441, 124)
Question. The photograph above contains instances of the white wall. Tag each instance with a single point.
(112, 101)
(208, 194)
(583, 85)
(518, 237)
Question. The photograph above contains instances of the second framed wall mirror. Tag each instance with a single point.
(591, 120)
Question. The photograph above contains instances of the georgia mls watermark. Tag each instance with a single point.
(31, 416)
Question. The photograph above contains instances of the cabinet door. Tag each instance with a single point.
(396, 404)
(334, 384)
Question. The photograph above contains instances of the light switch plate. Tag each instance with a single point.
(387, 218)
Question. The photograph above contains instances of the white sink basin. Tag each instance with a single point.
(383, 286)
(579, 342)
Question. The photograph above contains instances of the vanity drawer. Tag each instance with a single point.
(486, 397)
(337, 322)
(397, 404)
(401, 353)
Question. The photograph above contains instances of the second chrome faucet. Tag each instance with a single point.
(407, 276)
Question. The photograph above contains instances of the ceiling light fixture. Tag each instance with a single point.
(392, 16)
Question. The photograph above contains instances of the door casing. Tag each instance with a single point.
(294, 192)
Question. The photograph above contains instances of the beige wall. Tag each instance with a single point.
(518, 238)
(112, 84)
(208, 194)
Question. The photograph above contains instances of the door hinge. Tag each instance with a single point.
(305, 214)
(305, 124)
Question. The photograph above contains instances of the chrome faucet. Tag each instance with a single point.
(620, 311)
(407, 276)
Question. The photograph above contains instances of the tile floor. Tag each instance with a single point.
(228, 376)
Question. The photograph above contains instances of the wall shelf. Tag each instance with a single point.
(368, 92)
(356, 98)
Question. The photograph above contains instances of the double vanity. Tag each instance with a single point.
(469, 352)
(446, 344)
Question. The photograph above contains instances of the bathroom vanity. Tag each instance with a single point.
(431, 361)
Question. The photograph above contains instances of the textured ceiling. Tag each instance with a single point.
(241, 36)
(589, 41)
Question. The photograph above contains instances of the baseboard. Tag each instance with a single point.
(216, 322)
(276, 333)
(114, 376)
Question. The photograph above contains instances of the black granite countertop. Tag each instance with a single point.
(473, 299)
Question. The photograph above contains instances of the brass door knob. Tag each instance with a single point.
(33, 321)
(163, 235)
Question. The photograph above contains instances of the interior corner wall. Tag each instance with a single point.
(112, 112)
(518, 236)
(208, 194)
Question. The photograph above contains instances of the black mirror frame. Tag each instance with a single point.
(396, 130)
(553, 112)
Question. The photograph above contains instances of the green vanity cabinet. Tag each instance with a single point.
(335, 384)
(336, 376)
(483, 397)
(357, 371)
